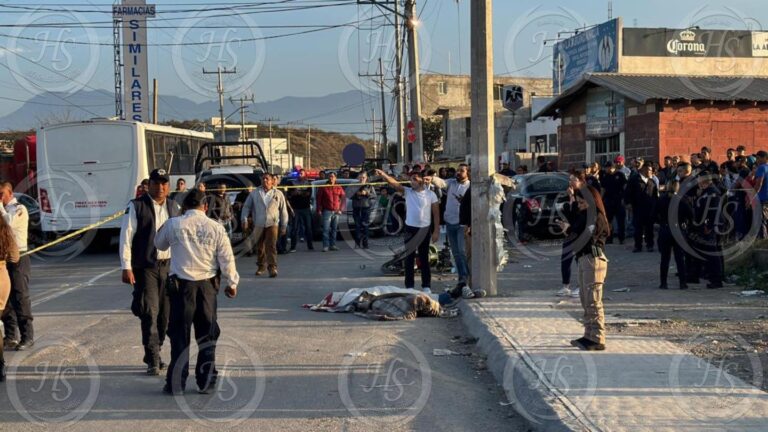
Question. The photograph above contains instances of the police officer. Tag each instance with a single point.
(18, 311)
(145, 268)
(200, 249)
(706, 222)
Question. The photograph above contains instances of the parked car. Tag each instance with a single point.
(535, 204)
(347, 221)
(35, 234)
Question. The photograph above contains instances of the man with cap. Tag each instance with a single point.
(200, 249)
(620, 167)
(145, 268)
(614, 186)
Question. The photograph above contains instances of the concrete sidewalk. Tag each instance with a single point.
(636, 384)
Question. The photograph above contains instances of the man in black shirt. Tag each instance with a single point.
(707, 164)
(642, 194)
(299, 198)
(614, 185)
(707, 242)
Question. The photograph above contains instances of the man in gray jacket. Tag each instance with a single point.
(268, 211)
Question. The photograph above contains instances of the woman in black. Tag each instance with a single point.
(591, 229)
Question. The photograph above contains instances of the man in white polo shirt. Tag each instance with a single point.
(422, 218)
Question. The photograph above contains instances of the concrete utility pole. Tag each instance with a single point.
(413, 79)
(220, 90)
(242, 101)
(483, 146)
(399, 88)
(373, 127)
(384, 141)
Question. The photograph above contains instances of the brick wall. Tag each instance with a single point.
(641, 136)
(572, 145)
(684, 129)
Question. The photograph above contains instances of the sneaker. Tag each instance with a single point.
(260, 272)
(325, 249)
(10, 344)
(575, 293)
(334, 248)
(292, 251)
(25, 344)
(426, 290)
(153, 371)
(467, 292)
(564, 292)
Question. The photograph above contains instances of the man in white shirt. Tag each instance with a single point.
(200, 248)
(18, 310)
(268, 210)
(422, 217)
(455, 189)
(145, 268)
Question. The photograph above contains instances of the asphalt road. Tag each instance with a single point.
(283, 368)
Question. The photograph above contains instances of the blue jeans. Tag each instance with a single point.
(456, 241)
(330, 223)
(362, 218)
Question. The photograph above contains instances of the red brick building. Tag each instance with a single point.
(607, 114)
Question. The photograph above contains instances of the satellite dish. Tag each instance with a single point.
(353, 154)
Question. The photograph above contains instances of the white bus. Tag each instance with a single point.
(89, 170)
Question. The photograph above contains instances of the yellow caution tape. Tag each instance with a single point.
(75, 233)
(309, 186)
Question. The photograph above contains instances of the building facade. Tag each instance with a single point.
(448, 97)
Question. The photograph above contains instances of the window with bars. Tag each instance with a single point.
(442, 88)
(606, 149)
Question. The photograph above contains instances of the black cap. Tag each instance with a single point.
(194, 199)
(159, 175)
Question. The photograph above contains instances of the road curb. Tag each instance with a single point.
(509, 365)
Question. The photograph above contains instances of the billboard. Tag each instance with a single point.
(593, 50)
(133, 14)
(661, 42)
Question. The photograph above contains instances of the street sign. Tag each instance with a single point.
(513, 97)
(411, 130)
(353, 154)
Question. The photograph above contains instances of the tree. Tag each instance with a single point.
(432, 131)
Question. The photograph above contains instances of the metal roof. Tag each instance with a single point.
(643, 88)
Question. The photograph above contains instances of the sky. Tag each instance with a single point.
(36, 58)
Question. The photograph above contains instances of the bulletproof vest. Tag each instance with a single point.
(143, 251)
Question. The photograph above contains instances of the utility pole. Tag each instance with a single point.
(242, 100)
(309, 147)
(399, 88)
(413, 80)
(269, 154)
(154, 101)
(483, 146)
(373, 126)
(380, 80)
(220, 90)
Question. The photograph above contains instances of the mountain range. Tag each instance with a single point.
(345, 112)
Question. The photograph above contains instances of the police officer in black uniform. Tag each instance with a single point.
(145, 268)
(706, 222)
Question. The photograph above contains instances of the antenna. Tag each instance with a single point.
(610, 9)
